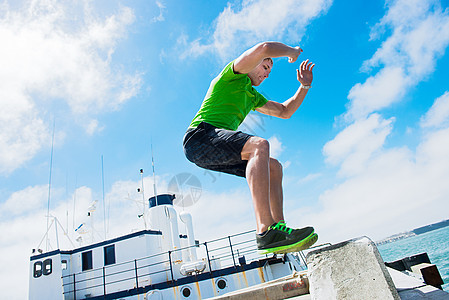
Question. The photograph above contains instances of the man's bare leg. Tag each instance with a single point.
(258, 170)
(276, 194)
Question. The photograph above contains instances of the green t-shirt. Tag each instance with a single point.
(229, 100)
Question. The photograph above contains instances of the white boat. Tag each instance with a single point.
(165, 262)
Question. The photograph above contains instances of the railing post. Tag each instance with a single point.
(74, 287)
(104, 283)
(303, 258)
(137, 278)
(208, 259)
(232, 251)
(171, 268)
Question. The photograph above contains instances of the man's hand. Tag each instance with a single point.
(304, 73)
(294, 56)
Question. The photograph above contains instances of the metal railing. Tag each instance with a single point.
(230, 251)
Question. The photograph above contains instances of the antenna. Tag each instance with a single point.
(74, 204)
(143, 199)
(68, 203)
(49, 185)
(104, 203)
(154, 174)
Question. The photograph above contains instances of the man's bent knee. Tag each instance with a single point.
(255, 146)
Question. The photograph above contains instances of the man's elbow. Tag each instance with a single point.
(264, 49)
(285, 114)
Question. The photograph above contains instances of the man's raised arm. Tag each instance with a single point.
(252, 57)
(286, 109)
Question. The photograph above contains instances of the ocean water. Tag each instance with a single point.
(435, 243)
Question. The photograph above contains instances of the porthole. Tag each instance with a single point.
(47, 266)
(186, 292)
(64, 264)
(221, 284)
(37, 269)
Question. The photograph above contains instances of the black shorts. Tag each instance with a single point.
(216, 149)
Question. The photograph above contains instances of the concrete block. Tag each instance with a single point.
(349, 270)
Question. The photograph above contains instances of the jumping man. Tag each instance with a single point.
(213, 142)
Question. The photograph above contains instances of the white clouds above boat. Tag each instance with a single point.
(23, 218)
(355, 145)
(57, 56)
(242, 25)
(438, 114)
(419, 36)
(386, 183)
(397, 183)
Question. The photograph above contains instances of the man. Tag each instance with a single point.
(213, 143)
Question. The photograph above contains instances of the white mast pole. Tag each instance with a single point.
(143, 200)
(49, 185)
(104, 203)
(154, 173)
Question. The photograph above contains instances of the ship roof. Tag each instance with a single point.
(96, 245)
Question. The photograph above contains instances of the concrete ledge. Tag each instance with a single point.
(349, 270)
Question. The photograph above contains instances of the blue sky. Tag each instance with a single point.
(366, 153)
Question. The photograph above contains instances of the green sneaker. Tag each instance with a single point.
(307, 243)
(280, 239)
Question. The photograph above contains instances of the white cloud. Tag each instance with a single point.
(420, 35)
(22, 130)
(438, 114)
(22, 218)
(23, 202)
(354, 146)
(395, 187)
(276, 147)
(219, 215)
(93, 127)
(383, 189)
(160, 17)
(243, 25)
(377, 92)
(56, 59)
(309, 178)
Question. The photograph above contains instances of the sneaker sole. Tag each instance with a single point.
(299, 246)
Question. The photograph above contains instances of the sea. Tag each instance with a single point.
(435, 243)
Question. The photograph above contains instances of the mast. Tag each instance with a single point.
(154, 173)
(104, 203)
(143, 200)
(49, 186)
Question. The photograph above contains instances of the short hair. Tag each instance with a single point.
(269, 59)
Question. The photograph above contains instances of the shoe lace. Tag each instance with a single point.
(281, 226)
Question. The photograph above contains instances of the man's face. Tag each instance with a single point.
(260, 72)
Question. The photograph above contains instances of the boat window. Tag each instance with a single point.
(37, 269)
(64, 264)
(221, 284)
(186, 292)
(47, 266)
(86, 258)
(109, 255)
